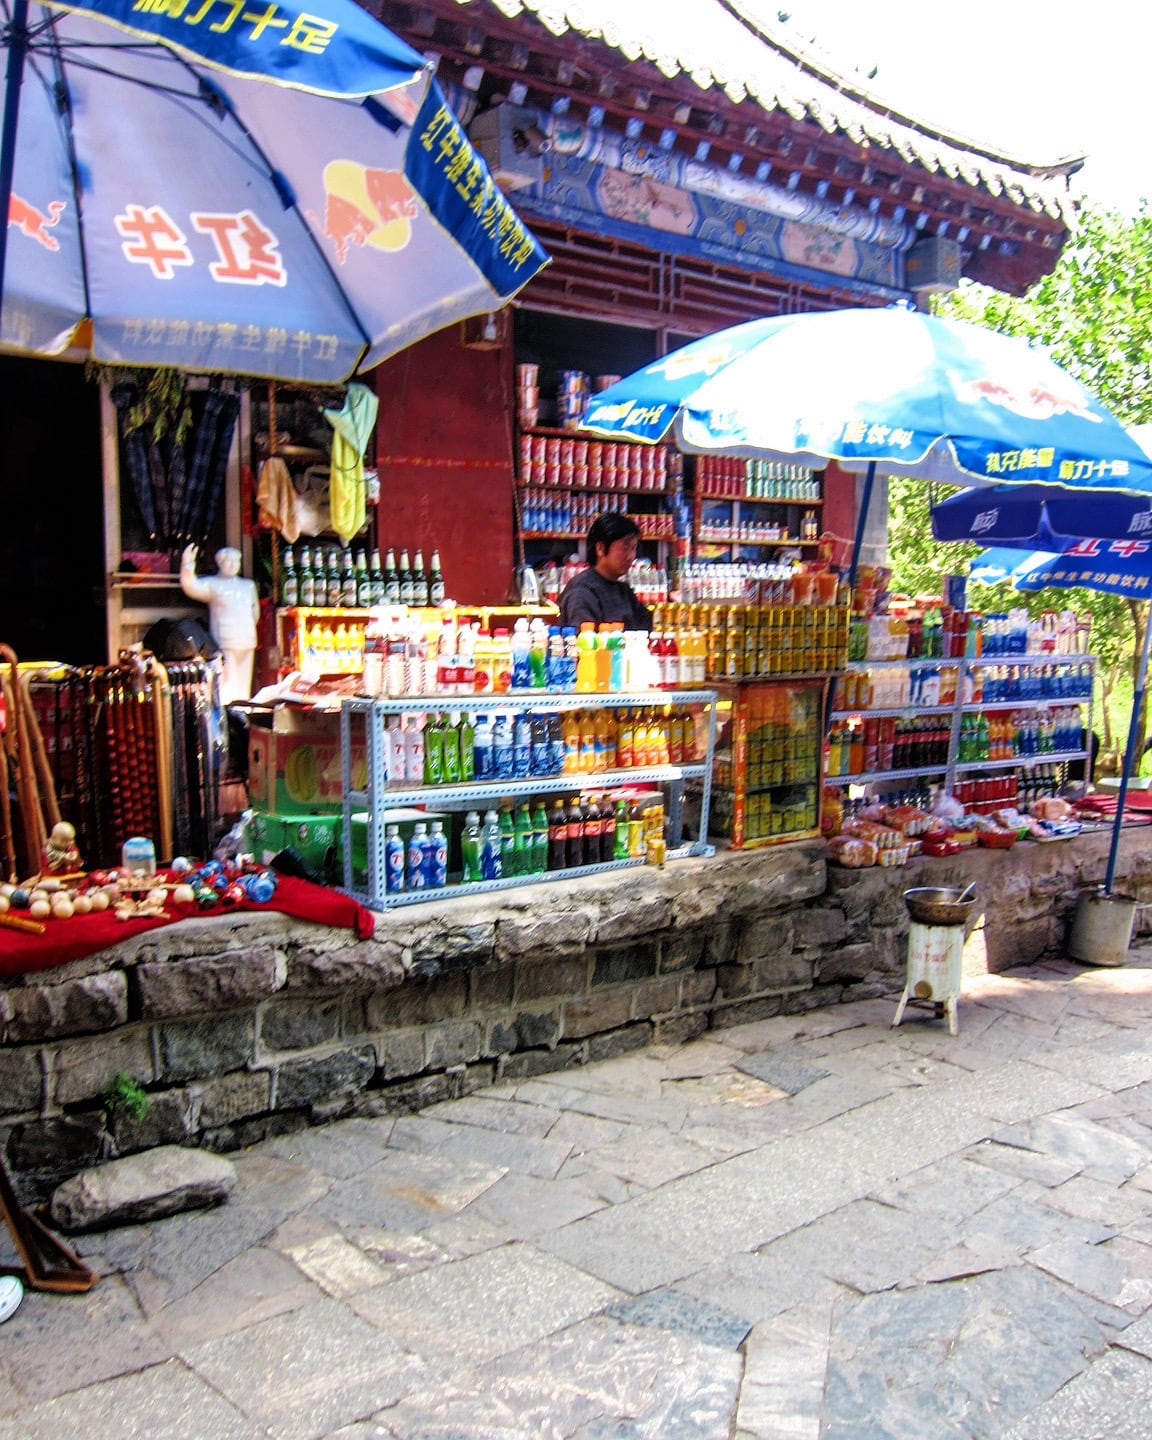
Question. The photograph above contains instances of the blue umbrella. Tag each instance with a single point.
(278, 191)
(1041, 515)
(1116, 567)
(912, 394)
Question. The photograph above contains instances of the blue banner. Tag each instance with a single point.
(330, 47)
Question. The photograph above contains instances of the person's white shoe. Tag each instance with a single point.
(11, 1294)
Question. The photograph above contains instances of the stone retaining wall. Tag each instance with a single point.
(239, 1027)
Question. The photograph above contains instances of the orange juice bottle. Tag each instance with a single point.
(587, 741)
(603, 660)
(626, 741)
(571, 728)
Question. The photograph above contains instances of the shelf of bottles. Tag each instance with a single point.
(949, 716)
(620, 759)
(767, 771)
(731, 496)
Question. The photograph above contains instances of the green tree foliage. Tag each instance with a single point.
(1093, 315)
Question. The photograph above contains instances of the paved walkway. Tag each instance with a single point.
(810, 1228)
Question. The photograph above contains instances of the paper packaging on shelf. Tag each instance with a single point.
(294, 767)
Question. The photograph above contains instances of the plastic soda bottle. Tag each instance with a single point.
(620, 851)
(397, 754)
(575, 833)
(434, 751)
(491, 854)
(471, 843)
(417, 848)
(483, 761)
(586, 658)
(467, 744)
(414, 750)
(521, 649)
(522, 746)
(607, 830)
(450, 742)
(539, 839)
(558, 837)
(503, 749)
(437, 857)
(393, 860)
(538, 655)
(593, 830)
(508, 854)
(525, 844)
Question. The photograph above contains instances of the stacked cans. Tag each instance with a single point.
(528, 395)
(594, 464)
(572, 393)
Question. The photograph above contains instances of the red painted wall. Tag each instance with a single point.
(444, 438)
(839, 502)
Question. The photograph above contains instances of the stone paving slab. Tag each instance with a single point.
(810, 1227)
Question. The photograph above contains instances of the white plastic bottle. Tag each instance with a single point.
(414, 748)
(397, 752)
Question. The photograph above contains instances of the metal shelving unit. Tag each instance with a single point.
(373, 715)
(953, 765)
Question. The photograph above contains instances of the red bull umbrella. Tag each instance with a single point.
(892, 390)
(279, 191)
(912, 394)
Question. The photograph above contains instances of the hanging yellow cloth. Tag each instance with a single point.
(276, 498)
(353, 429)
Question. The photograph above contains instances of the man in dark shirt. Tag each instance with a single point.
(600, 593)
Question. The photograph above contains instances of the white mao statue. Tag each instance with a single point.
(233, 609)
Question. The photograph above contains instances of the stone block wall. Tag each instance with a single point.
(243, 1026)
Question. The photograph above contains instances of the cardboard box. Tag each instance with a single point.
(315, 838)
(294, 764)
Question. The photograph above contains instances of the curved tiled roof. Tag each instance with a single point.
(730, 45)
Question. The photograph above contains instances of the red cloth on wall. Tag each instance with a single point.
(65, 940)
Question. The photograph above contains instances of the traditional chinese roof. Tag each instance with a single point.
(716, 70)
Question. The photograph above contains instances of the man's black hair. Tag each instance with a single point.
(613, 525)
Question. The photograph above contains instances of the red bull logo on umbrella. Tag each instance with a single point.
(366, 206)
(35, 223)
(1031, 402)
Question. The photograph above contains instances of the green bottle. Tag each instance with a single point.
(540, 839)
(508, 853)
(471, 844)
(525, 841)
(621, 846)
(451, 742)
(467, 749)
(434, 751)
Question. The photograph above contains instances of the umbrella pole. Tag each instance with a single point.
(17, 50)
(1129, 755)
(862, 522)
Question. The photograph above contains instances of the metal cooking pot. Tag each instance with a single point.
(938, 905)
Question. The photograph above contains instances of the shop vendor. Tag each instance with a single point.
(600, 593)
